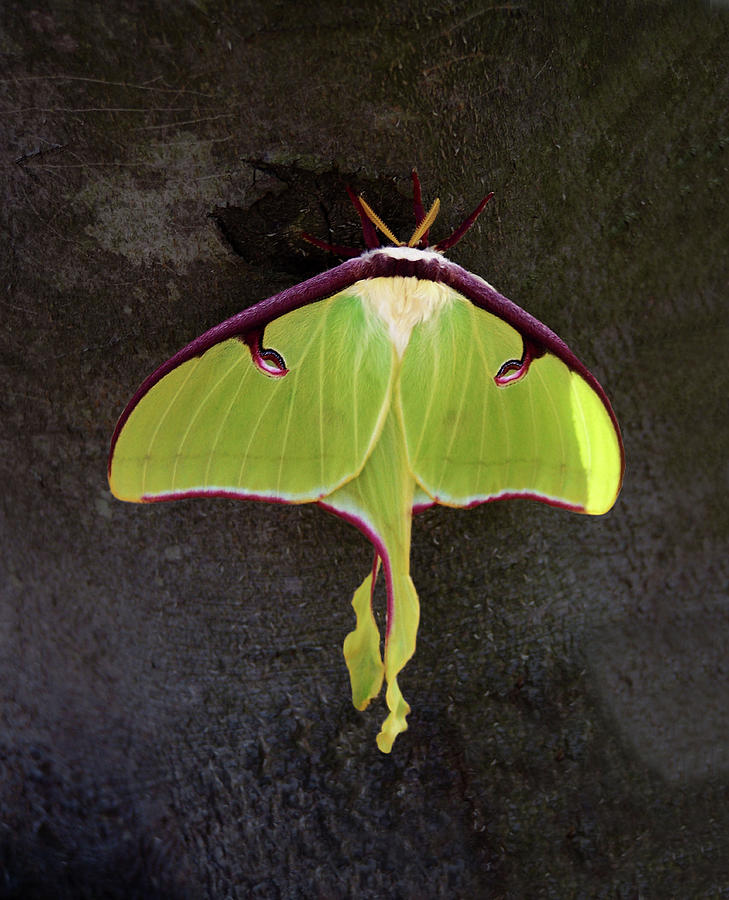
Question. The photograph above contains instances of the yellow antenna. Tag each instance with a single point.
(378, 223)
(425, 224)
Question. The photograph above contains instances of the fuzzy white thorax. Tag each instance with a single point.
(403, 252)
(403, 302)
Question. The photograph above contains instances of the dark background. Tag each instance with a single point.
(175, 717)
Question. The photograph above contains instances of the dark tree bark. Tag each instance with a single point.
(175, 717)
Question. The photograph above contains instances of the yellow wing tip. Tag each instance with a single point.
(393, 725)
(601, 509)
(120, 492)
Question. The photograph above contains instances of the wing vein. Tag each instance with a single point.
(583, 420)
(162, 418)
(200, 406)
(322, 350)
(455, 429)
(431, 395)
(560, 432)
(294, 388)
(224, 420)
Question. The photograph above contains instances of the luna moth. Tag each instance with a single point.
(395, 381)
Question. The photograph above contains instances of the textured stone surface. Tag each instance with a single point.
(174, 713)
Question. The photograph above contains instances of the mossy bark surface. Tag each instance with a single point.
(175, 717)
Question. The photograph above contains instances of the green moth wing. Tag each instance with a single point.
(229, 421)
(539, 430)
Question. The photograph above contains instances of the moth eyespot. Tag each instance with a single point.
(512, 370)
(515, 369)
(265, 359)
(271, 362)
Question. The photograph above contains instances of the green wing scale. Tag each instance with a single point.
(544, 434)
(391, 383)
(222, 422)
